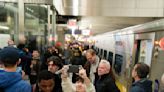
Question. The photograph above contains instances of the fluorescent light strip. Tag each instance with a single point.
(4, 27)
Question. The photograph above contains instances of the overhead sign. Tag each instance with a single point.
(72, 23)
(86, 32)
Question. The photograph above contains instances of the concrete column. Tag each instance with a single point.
(21, 30)
(54, 33)
(15, 33)
(61, 36)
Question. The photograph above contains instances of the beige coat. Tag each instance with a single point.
(68, 86)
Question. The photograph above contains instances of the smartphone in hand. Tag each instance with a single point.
(74, 68)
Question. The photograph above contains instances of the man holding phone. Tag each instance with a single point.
(82, 84)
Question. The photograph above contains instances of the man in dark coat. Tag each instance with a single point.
(141, 83)
(106, 81)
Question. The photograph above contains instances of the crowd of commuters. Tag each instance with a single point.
(49, 71)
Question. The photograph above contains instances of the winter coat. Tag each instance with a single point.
(68, 86)
(143, 85)
(105, 83)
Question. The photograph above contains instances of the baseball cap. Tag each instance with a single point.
(9, 55)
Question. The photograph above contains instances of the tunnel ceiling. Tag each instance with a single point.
(105, 24)
(93, 17)
(99, 24)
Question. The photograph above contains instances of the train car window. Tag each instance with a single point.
(98, 51)
(110, 57)
(96, 48)
(93, 47)
(105, 54)
(118, 63)
(101, 52)
(3, 15)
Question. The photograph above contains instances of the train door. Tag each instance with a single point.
(143, 47)
(145, 51)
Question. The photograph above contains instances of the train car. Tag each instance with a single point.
(125, 47)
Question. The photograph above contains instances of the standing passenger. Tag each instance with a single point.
(82, 83)
(54, 65)
(91, 64)
(10, 80)
(35, 66)
(67, 54)
(106, 81)
(141, 83)
(45, 82)
(77, 59)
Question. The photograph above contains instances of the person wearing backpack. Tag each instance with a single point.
(141, 83)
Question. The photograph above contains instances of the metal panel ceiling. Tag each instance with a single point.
(8, 0)
(78, 7)
(126, 8)
(50, 2)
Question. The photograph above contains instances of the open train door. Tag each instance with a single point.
(142, 50)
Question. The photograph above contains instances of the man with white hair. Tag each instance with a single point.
(106, 81)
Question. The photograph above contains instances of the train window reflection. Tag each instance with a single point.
(35, 23)
(118, 63)
(110, 57)
(8, 15)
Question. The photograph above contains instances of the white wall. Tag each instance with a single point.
(133, 8)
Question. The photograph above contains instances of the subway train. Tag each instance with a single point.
(125, 47)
